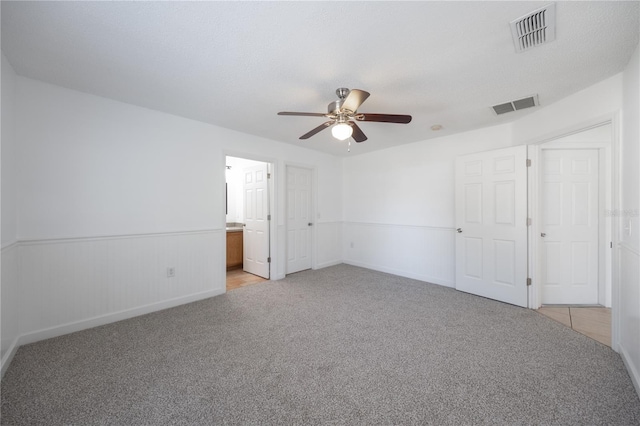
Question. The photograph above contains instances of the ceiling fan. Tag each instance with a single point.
(343, 115)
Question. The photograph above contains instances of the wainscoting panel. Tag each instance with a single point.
(10, 301)
(329, 244)
(629, 333)
(419, 252)
(69, 285)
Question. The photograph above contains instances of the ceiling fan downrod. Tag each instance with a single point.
(335, 107)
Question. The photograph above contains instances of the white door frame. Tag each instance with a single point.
(609, 186)
(314, 228)
(274, 271)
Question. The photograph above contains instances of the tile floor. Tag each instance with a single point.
(594, 322)
(237, 278)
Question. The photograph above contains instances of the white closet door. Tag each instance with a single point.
(570, 226)
(491, 216)
(299, 220)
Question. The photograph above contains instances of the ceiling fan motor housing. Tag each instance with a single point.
(335, 106)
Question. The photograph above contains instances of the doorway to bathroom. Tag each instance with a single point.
(248, 219)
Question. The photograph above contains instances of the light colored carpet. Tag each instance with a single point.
(342, 345)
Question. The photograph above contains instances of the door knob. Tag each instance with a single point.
(459, 230)
(543, 235)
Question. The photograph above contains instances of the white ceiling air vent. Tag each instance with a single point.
(523, 103)
(535, 28)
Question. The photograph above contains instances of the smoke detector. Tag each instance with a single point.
(535, 28)
(511, 106)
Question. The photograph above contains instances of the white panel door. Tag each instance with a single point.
(491, 215)
(255, 187)
(570, 226)
(299, 220)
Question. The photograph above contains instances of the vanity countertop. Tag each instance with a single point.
(234, 227)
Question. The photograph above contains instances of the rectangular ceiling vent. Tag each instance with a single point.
(535, 28)
(523, 103)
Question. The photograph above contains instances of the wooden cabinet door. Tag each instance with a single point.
(234, 250)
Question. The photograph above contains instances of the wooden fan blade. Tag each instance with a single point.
(384, 118)
(357, 135)
(304, 114)
(316, 130)
(354, 99)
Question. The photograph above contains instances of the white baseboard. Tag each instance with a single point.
(327, 264)
(631, 369)
(8, 356)
(431, 280)
(72, 327)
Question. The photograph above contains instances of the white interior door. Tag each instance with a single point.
(491, 215)
(570, 226)
(255, 189)
(299, 220)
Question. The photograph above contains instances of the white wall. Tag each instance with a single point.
(399, 203)
(94, 167)
(9, 213)
(411, 184)
(9, 299)
(571, 113)
(109, 195)
(628, 297)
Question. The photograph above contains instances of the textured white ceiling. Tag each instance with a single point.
(236, 64)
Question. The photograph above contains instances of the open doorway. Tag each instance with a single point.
(574, 234)
(248, 216)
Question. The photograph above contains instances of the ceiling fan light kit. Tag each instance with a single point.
(341, 131)
(343, 114)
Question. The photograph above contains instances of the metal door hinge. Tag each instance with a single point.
(268, 260)
(528, 281)
(528, 162)
(268, 217)
(528, 221)
(268, 175)
(611, 244)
